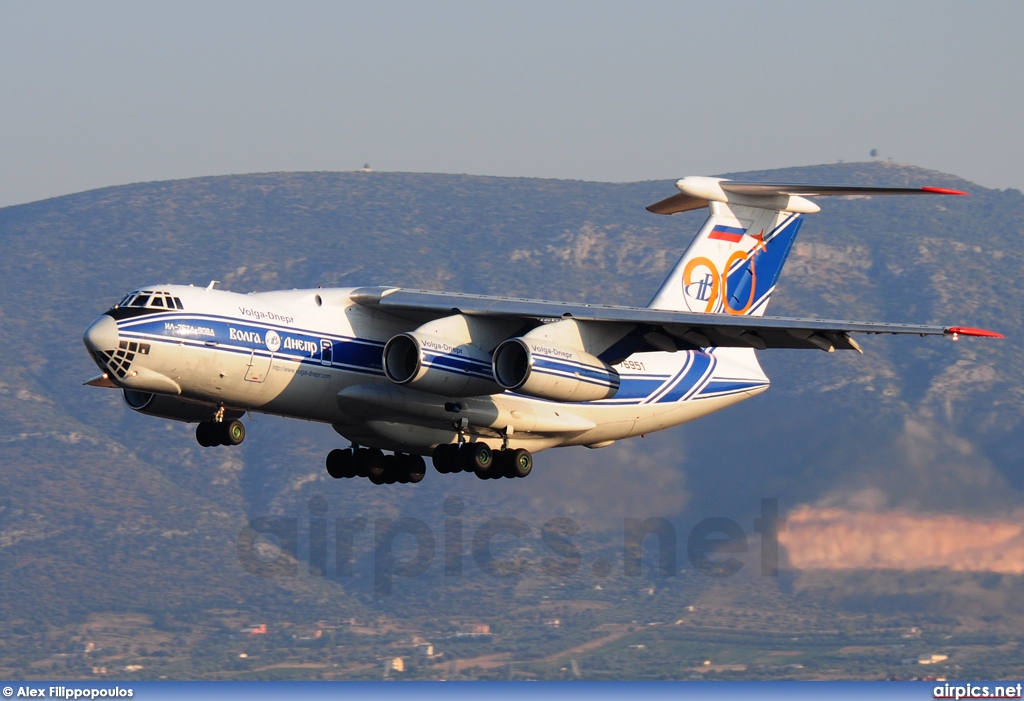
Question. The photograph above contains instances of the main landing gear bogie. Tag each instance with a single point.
(481, 460)
(371, 463)
(213, 433)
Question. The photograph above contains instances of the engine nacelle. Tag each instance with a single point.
(550, 371)
(173, 408)
(437, 364)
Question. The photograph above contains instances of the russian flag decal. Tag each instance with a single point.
(731, 234)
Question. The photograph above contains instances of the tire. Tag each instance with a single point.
(452, 453)
(522, 462)
(498, 473)
(415, 468)
(339, 464)
(359, 464)
(348, 462)
(232, 432)
(443, 457)
(391, 473)
(374, 463)
(477, 457)
(503, 463)
(205, 436)
(369, 462)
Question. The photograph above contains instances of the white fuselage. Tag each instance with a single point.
(316, 355)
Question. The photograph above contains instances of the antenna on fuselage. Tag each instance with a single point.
(212, 284)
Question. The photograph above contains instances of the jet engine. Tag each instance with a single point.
(438, 364)
(173, 408)
(551, 371)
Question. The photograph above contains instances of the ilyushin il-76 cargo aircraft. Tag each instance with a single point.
(481, 383)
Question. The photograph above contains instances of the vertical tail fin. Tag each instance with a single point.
(735, 260)
(733, 263)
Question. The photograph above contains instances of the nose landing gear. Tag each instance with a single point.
(212, 433)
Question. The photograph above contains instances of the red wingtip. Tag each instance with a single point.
(967, 331)
(943, 191)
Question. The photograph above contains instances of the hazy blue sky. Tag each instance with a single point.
(104, 93)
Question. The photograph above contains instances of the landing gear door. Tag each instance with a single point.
(259, 367)
(326, 352)
(259, 362)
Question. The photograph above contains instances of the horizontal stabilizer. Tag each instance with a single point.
(769, 189)
(695, 192)
(677, 203)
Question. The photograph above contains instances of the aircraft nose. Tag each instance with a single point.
(101, 335)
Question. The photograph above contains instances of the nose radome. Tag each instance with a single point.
(101, 335)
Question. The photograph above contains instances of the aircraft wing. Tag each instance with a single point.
(659, 329)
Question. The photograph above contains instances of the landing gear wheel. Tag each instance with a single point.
(415, 468)
(206, 434)
(370, 461)
(503, 463)
(476, 457)
(445, 458)
(359, 465)
(455, 459)
(232, 432)
(339, 464)
(522, 462)
(391, 472)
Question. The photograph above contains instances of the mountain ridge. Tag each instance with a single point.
(90, 488)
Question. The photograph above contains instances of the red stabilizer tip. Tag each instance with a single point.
(943, 191)
(967, 331)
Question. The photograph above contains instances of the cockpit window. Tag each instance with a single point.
(150, 299)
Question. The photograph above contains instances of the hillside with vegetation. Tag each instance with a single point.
(118, 527)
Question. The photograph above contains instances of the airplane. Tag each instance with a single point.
(479, 383)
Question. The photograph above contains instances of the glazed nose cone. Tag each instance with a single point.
(101, 335)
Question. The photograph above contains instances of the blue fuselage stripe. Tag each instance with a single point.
(363, 356)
